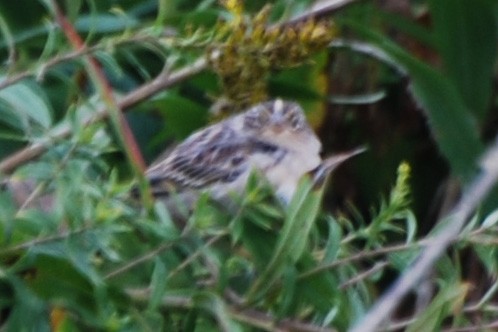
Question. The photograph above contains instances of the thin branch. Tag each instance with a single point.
(40, 188)
(163, 81)
(268, 323)
(493, 326)
(399, 326)
(374, 269)
(473, 308)
(402, 325)
(363, 255)
(154, 252)
(369, 50)
(65, 57)
(250, 317)
(321, 9)
(35, 242)
(196, 254)
(10, 163)
(139, 260)
(448, 233)
(49, 64)
(142, 295)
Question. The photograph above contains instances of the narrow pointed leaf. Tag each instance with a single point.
(466, 39)
(453, 126)
(291, 243)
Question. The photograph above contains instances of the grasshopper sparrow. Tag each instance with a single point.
(273, 138)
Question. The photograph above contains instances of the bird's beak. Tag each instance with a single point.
(278, 123)
(322, 172)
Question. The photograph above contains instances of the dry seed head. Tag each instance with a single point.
(248, 49)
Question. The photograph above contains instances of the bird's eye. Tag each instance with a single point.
(251, 120)
(264, 116)
(296, 121)
(257, 118)
(237, 160)
(264, 147)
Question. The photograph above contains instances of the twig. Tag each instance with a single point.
(49, 64)
(371, 51)
(61, 58)
(35, 242)
(251, 317)
(448, 233)
(40, 188)
(321, 9)
(142, 295)
(362, 255)
(374, 269)
(268, 323)
(139, 260)
(153, 253)
(196, 254)
(484, 327)
(32, 196)
(399, 326)
(22, 156)
(472, 308)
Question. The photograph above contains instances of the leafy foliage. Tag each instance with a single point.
(77, 252)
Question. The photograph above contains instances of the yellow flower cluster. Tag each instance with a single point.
(401, 191)
(245, 50)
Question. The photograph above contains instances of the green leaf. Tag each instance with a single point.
(259, 242)
(167, 228)
(110, 64)
(333, 241)
(304, 208)
(466, 33)
(214, 304)
(293, 237)
(491, 220)
(488, 255)
(320, 290)
(411, 225)
(182, 115)
(288, 291)
(158, 284)
(452, 124)
(104, 23)
(26, 304)
(402, 259)
(7, 213)
(24, 102)
(407, 26)
(449, 299)
(362, 99)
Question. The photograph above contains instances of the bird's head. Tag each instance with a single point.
(276, 116)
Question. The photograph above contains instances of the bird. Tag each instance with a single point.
(272, 138)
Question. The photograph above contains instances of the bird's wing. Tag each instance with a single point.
(215, 155)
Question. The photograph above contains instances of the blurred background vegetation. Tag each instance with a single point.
(415, 81)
